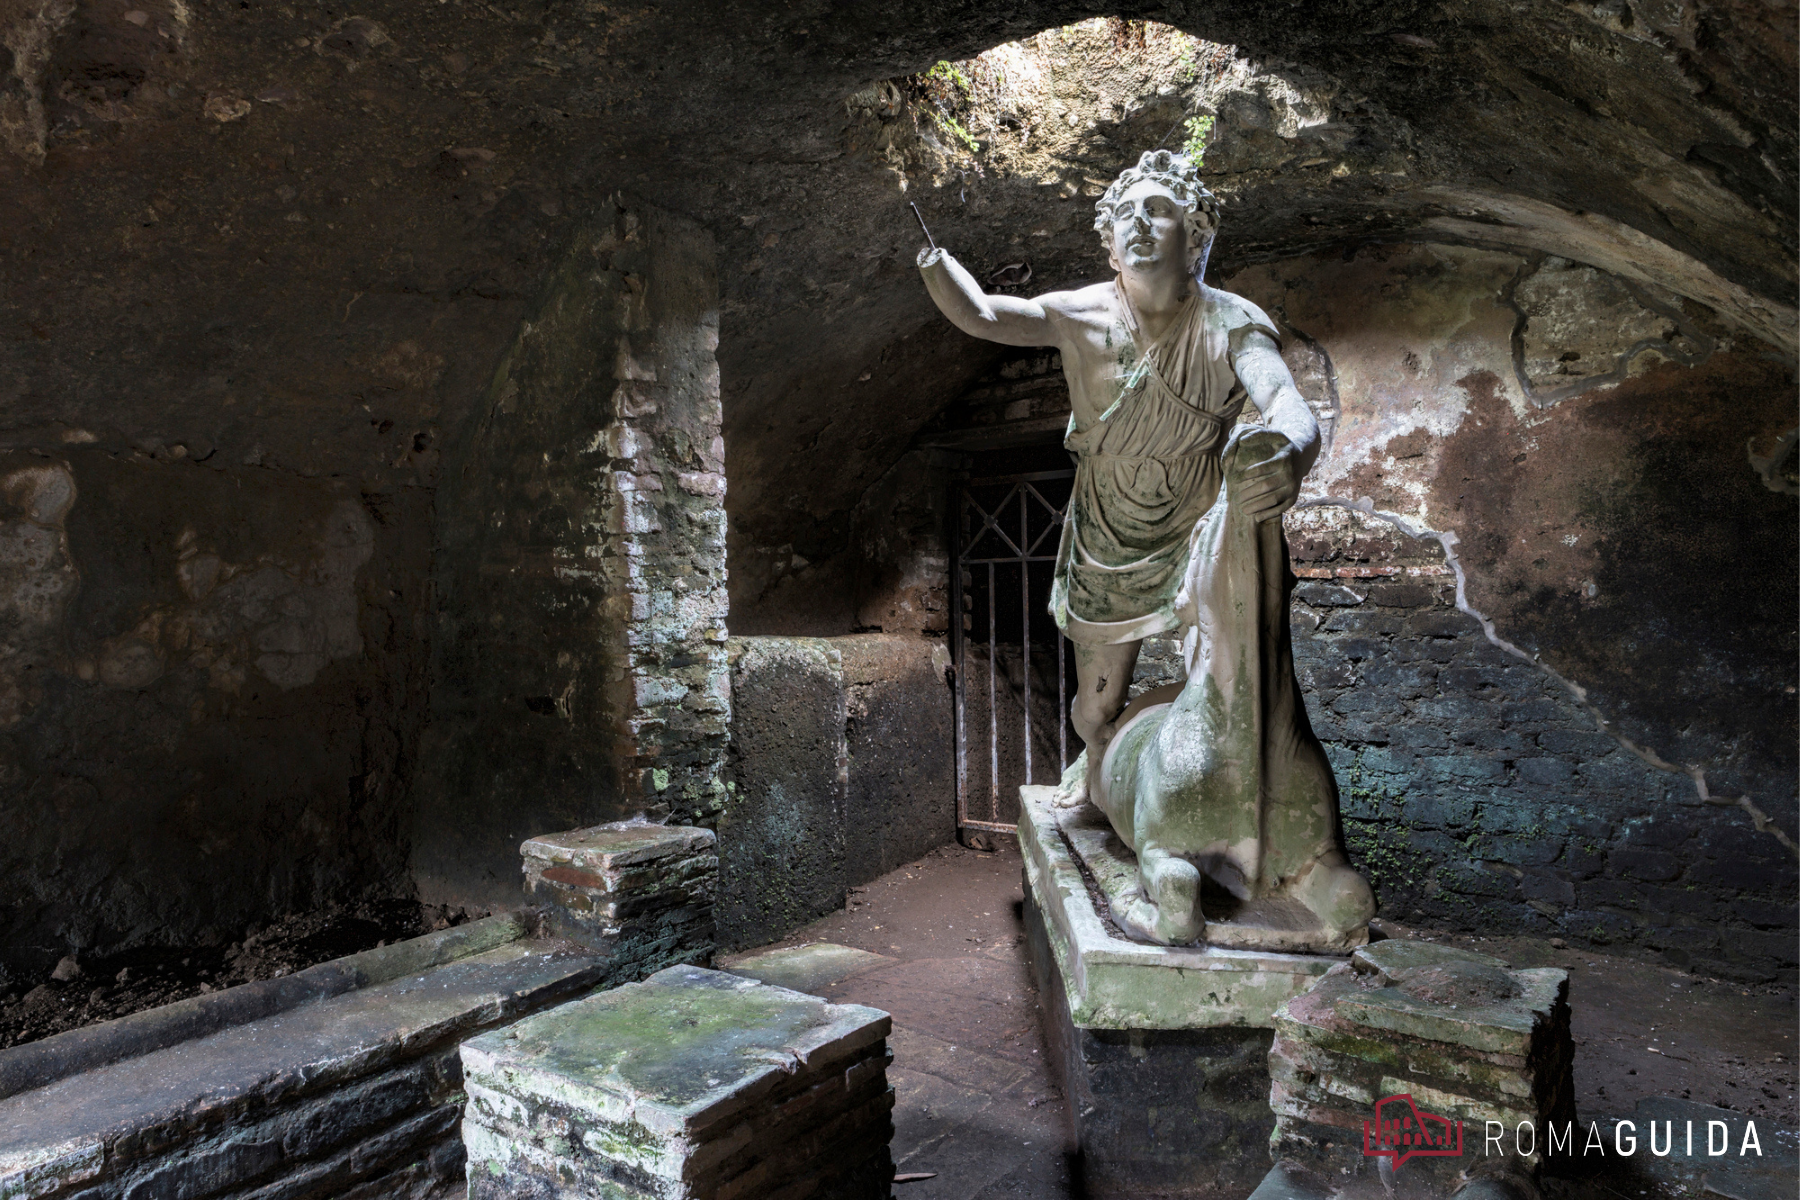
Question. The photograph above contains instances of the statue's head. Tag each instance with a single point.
(1158, 211)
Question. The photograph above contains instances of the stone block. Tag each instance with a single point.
(1326, 675)
(1326, 595)
(1491, 739)
(639, 892)
(1533, 712)
(690, 1083)
(781, 836)
(1402, 595)
(1653, 866)
(1374, 624)
(1764, 913)
(1469, 879)
(1621, 772)
(1433, 650)
(1464, 768)
(1456, 710)
(1730, 835)
(1370, 703)
(1523, 849)
(1545, 772)
(1440, 810)
(1679, 902)
(1161, 1049)
(1464, 1035)
(1356, 648)
(1761, 945)
(1744, 874)
(1419, 738)
(1547, 886)
(1577, 743)
(1441, 623)
(900, 740)
(338, 1118)
(1405, 680)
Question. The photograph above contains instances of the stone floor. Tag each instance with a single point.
(974, 1100)
(977, 1106)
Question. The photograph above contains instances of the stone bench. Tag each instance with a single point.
(343, 1080)
(693, 1083)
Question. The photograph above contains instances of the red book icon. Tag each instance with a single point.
(1401, 1131)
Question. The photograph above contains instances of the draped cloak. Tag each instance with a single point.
(1147, 471)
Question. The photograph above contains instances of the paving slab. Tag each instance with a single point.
(808, 968)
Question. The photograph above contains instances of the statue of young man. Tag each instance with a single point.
(1175, 523)
(1159, 366)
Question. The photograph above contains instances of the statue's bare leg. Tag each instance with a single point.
(1102, 679)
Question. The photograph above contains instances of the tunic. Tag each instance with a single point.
(1147, 471)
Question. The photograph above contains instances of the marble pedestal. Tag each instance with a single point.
(1162, 1050)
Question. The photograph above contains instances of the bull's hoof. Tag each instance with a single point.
(1337, 894)
(1168, 911)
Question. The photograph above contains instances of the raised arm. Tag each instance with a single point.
(1006, 319)
(1270, 487)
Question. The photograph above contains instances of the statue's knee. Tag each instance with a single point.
(1091, 716)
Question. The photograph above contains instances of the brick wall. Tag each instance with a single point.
(578, 659)
(1478, 793)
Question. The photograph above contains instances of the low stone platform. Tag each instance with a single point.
(1466, 1038)
(355, 1097)
(1162, 1050)
(693, 1083)
(811, 968)
(1116, 983)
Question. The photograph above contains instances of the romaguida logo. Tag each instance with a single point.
(1401, 1131)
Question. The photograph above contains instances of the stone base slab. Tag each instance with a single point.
(1156, 1112)
(344, 1097)
(1278, 923)
(1114, 983)
(1456, 1034)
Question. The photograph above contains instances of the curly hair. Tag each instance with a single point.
(1175, 172)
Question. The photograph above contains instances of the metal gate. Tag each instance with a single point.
(1002, 561)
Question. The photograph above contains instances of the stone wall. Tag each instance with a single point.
(1479, 793)
(840, 770)
(578, 661)
(211, 685)
(1616, 762)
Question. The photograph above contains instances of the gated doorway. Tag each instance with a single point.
(1014, 670)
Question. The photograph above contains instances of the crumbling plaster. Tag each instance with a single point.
(1602, 530)
(211, 690)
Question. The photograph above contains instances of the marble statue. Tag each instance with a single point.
(1175, 524)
